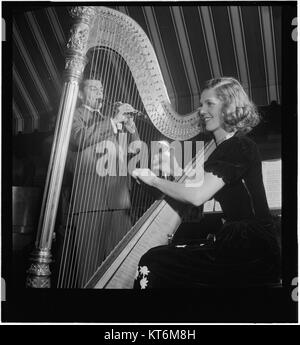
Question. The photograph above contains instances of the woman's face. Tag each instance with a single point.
(211, 110)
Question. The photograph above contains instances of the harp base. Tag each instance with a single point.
(38, 274)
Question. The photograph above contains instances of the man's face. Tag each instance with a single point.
(93, 93)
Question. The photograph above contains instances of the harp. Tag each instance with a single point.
(97, 34)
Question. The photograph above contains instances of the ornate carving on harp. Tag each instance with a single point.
(94, 28)
(123, 35)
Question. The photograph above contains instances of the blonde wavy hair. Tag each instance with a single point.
(239, 112)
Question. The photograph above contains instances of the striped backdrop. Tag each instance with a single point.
(192, 43)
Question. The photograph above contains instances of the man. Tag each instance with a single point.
(86, 130)
(98, 216)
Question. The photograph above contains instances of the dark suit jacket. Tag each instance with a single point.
(94, 192)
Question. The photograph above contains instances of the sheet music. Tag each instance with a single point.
(217, 207)
(212, 206)
(209, 206)
(272, 182)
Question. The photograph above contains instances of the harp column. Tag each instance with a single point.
(38, 274)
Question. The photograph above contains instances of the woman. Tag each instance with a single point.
(246, 249)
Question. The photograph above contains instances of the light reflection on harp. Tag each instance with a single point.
(115, 44)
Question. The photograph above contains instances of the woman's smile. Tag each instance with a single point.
(207, 118)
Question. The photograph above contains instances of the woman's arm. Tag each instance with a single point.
(196, 194)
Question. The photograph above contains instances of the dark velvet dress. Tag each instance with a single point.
(246, 246)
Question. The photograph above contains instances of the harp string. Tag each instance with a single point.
(88, 265)
(68, 259)
(98, 190)
(145, 198)
(93, 260)
(78, 230)
(117, 95)
(128, 96)
(93, 192)
(129, 89)
(109, 85)
(124, 93)
(114, 93)
(138, 192)
(136, 105)
(80, 220)
(88, 227)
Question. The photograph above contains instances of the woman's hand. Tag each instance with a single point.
(145, 175)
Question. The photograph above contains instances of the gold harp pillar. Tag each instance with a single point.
(38, 274)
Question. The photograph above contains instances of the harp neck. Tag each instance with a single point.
(116, 31)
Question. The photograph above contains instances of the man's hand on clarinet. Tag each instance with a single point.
(124, 114)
